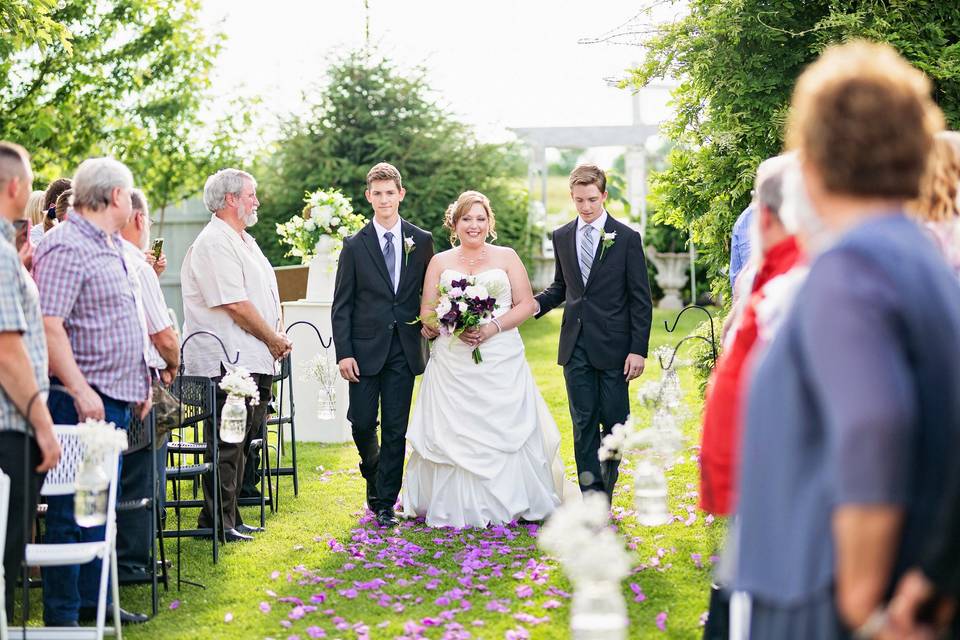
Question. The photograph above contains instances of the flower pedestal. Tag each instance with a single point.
(598, 611)
(322, 272)
(671, 276)
(307, 392)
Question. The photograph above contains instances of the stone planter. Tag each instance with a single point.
(671, 276)
(322, 273)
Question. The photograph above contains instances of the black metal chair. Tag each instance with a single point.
(284, 381)
(140, 450)
(198, 407)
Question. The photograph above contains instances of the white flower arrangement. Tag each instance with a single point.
(579, 535)
(326, 214)
(99, 436)
(320, 369)
(239, 383)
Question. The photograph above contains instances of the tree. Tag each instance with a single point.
(368, 113)
(119, 77)
(737, 61)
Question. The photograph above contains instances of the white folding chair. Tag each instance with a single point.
(4, 511)
(60, 482)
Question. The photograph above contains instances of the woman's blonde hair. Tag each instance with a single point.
(459, 208)
(863, 116)
(35, 211)
(938, 187)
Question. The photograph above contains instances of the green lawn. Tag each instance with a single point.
(317, 547)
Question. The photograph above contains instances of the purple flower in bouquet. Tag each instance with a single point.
(463, 305)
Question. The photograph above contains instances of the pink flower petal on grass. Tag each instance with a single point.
(638, 594)
(265, 607)
(524, 591)
(316, 632)
(228, 617)
(662, 621)
(174, 605)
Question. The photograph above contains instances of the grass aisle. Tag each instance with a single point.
(323, 571)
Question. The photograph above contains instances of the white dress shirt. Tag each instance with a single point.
(397, 240)
(150, 304)
(598, 230)
(222, 267)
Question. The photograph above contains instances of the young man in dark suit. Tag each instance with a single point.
(601, 275)
(375, 300)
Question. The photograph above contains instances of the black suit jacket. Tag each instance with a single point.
(366, 311)
(612, 310)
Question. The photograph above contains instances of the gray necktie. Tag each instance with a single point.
(587, 249)
(388, 257)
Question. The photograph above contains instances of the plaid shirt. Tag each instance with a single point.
(84, 280)
(20, 313)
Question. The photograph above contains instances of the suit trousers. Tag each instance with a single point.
(389, 393)
(233, 456)
(13, 464)
(598, 399)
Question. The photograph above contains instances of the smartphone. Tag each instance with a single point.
(22, 227)
(157, 248)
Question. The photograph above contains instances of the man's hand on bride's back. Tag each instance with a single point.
(350, 370)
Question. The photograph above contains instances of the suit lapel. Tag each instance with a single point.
(372, 243)
(599, 254)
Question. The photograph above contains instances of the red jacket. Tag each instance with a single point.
(719, 452)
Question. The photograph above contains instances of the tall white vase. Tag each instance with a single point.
(322, 272)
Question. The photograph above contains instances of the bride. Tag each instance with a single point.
(484, 447)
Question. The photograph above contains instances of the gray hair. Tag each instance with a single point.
(220, 184)
(95, 180)
(139, 201)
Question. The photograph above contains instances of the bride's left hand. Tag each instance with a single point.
(486, 332)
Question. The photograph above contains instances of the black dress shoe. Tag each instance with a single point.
(232, 535)
(89, 614)
(247, 529)
(386, 518)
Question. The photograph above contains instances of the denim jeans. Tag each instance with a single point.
(66, 589)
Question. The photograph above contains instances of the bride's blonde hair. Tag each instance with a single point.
(459, 208)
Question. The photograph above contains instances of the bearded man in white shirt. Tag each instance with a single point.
(230, 290)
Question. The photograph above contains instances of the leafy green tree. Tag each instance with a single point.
(368, 113)
(737, 61)
(120, 77)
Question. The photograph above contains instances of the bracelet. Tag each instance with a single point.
(874, 624)
(499, 326)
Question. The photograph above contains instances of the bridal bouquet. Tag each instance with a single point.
(463, 305)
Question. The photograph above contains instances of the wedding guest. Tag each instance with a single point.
(778, 252)
(740, 244)
(852, 413)
(230, 290)
(163, 358)
(63, 205)
(54, 189)
(23, 372)
(937, 207)
(35, 214)
(96, 350)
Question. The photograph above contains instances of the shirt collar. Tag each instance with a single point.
(89, 229)
(6, 230)
(381, 230)
(227, 230)
(597, 224)
(132, 249)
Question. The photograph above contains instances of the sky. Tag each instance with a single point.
(495, 64)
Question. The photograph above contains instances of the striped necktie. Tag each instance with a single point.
(587, 249)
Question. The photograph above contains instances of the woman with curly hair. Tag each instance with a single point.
(937, 208)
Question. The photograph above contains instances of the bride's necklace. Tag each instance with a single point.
(472, 262)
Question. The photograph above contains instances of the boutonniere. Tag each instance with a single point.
(607, 238)
(409, 246)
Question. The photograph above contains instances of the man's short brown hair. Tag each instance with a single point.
(587, 174)
(863, 116)
(384, 171)
(14, 161)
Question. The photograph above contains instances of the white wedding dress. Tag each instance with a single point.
(483, 446)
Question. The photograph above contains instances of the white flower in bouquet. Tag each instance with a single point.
(239, 383)
(310, 225)
(476, 291)
(322, 214)
(444, 306)
(343, 231)
(461, 305)
(335, 220)
(456, 292)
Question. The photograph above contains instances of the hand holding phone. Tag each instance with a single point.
(157, 248)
